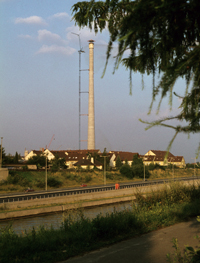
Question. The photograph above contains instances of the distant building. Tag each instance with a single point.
(71, 156)
(159, 157)
(88, 164)
(32, 153)
(124, 156)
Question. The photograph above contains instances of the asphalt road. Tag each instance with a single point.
(149, 248)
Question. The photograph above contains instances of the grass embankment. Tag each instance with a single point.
(18, 181)
(78, 234)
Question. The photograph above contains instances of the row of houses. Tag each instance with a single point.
(85, 158)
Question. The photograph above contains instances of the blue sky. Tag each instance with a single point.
(39, 87)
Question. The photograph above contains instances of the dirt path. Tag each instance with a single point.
(149, 248)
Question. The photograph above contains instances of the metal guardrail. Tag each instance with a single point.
(67, 192)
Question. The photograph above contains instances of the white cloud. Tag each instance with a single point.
(26, 36)
(32, 20)
(62, 15)
(46, 36)
(56, 49)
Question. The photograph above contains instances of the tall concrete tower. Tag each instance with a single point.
(91, 129)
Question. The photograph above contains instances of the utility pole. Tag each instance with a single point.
(1, 152)
(104, 174)
(194, 166)
(46, 155)
(46, 174)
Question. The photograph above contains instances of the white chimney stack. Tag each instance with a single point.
(91, 129)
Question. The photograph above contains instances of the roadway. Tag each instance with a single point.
(148, 248)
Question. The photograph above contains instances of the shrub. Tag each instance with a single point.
(40, 183)
(88, 178)
(25, 167)
(53, 182)
(109, 176)
(138, 171)
(78, 179)
(126, 171)
(156, 166)
(39, 160)
(17, 179)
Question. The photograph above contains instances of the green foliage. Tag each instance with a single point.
(137, 161)
(57, 164)
(118, 162)
(109, 175)
(39, 160)
(165, 43)
(40, 183)
(8, 158)
(170, 166)
(138, 168)
(71, 177)
(3, 152)
(189, 254)
(156, 166)
(126, 171)
(53, 182)
(138, 171)
(24, 167)
(16, 158)
(17, 179)
(191, 165)
(88, 178)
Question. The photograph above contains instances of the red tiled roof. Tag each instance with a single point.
(175, 159)
(83, 162)
(83, 151)
(61, 154)
(73, 155)
(87, 162)
(124, 155)
(162, 153)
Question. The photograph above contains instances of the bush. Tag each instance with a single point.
(17, 179)
(25, 167)
(53, 182)
(156, 166)
(109, 176)
(138, 171)
(40, 183)
(88, 178)
(40, 161)
(126, 171)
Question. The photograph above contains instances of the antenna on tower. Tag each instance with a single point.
(79, 51)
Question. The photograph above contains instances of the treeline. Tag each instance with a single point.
(8, 158)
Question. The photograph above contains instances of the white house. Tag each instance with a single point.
(124, 156)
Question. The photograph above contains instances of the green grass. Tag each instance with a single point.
(78, 234)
